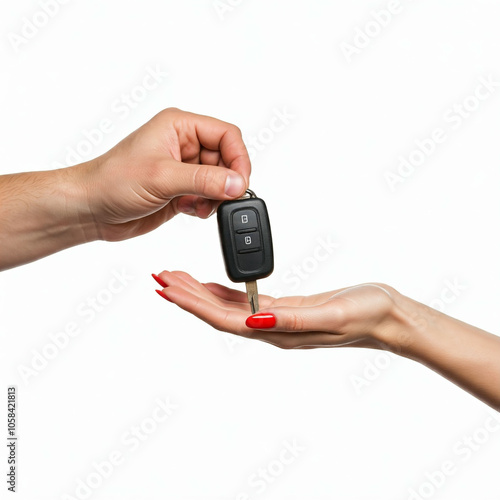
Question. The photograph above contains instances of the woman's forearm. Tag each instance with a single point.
(464, 354)
(40, 214)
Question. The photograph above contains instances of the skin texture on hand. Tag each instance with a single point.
(178, 162)
(372, 315)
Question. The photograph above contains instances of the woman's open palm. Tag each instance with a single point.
(349, 316)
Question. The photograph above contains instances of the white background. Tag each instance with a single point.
(323, 178)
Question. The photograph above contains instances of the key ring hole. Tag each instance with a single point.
(250, 194)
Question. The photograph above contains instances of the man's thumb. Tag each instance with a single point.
(207, 181)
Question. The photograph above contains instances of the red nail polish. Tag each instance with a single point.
(159, 281)
(261, 320)
(161, 294)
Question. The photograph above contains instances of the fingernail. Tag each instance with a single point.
(161, 294)
(234, 185)
(186, 208)
(203, 204)
(159, 281)
(261, 320)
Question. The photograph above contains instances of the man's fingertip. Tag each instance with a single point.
(235, 185)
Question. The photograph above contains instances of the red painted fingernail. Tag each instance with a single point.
(159, 281)
(261, 320)
(161, 294)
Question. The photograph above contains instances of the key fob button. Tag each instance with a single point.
(247, 241)
(244, 220)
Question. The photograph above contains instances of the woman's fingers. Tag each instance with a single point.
(265, 300)
(227, 310)
(304, 340)
(231, 319)
(338, 318)
(325, 317)
(231, 295)
(308, 300)
(290, 317)
(230, 315)
(226, 293)
(185, 280)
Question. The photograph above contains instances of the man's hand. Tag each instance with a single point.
(177, 162)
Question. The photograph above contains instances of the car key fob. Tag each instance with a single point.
(246, 242)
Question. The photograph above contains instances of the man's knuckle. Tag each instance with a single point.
(171, 110)
(205, 180)
(201, 179)
(164, 114)
(236, 130)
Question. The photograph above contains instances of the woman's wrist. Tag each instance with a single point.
(406, 322)
(464, 354)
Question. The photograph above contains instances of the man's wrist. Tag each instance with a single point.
(73, 212)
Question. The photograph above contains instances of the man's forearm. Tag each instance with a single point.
(465, 355)
(40, 214)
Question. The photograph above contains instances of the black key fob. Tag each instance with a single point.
(245, 237)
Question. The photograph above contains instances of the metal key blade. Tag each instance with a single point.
(253, 296)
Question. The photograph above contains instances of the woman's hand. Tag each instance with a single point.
(371, 315)
(358, 316)
(177, 162)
